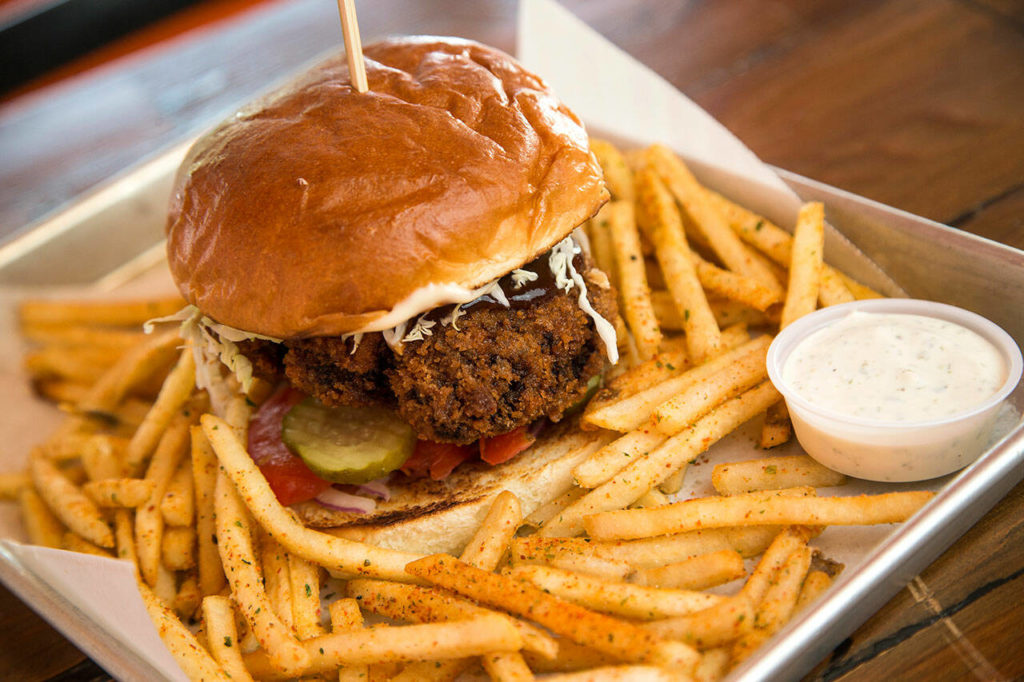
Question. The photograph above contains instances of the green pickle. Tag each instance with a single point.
(347, 444)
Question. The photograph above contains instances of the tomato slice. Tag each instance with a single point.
(288, 476)
(436, 460)
(498, 449)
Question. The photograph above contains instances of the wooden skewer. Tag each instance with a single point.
(353, 44)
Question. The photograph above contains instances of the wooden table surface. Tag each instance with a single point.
(916, 103)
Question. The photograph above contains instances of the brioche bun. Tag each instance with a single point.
(316, 210)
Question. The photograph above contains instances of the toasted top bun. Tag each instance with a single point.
(317, 210)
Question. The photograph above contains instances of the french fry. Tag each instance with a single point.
(193, 658)
(763, 508)
(832, 290)
(41, 525)
(601, 246)
(814, 586)
(124, 536)
(617, 638)
(507, 667)
(204, 477)
(621, 673)
(618, 176)
(134, 367)
(74, 542)
(777, 428)
(222, 636)
(735, 287)
(539, 516)
(646, 472)
(613, 597)
(63, 334)
(859, 291)
(649, 552)
(632, 277)
(714, 626)
(685, 408)
(416, 604)
(583, 563)
(652, 498)
(68, 502)
(658, 215)
(234, 527)
(101, 313)
(149, 522)
(491, 539)
(333, 553)
(119, 492)
(805, 267)
(435, 641)
(778, 604)
(178, 548)
(178, 505)
(614, 457)
(11, 484)
(188, 600)
(273, 562)
(632, 412)
(74, 364)
(772, 473)
(304, 578)
(345, 615)
(713, 666)
(571, 657)
(173, 394)
(710, 222)
(696, 573)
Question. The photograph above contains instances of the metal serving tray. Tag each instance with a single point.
(116, 232)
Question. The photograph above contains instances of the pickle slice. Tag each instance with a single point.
(347, 444)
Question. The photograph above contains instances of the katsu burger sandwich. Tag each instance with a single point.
(403, 265)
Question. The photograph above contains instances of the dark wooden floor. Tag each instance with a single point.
(915, 103)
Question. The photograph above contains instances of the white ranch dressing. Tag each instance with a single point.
(895, 367)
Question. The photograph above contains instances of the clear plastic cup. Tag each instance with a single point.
(889, 450)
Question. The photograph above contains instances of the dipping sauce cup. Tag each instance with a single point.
(876, 446)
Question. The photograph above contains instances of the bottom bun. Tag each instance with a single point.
(428, 516)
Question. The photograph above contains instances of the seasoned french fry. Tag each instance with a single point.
(188, 600)
(620, 673)
(714, 626)
(772, 473)
(859, 291)
(149, 522)
(652, 498)
(304, 577)
(222, 635)
(345, 615)
(657, 213)
(124, 536)
(235, 544)
(69, 363)
(101, 313)
(713, 666)
(273, 561)
(696, 573)
(508, 667)
(613, 597)
(415, 604)
(193, 658)
(814, 586)
(805, 267)
(119, 492)
(777, 428)
(173, 395)
(539, 516)
(178, 548)
(63, 334)
(601, 246)
(617, 638)
(735, 287)
(778, 604)
(618, 176)
(646, 472)
(134, 367)
(74, 542)
(11, 484)
(614, 457)
(204, 477)
(710, 222)
(632, 277)
(685, 408)
(763, 508)
(832, 290)
(490, 541)
(178, 504)
(68, 502)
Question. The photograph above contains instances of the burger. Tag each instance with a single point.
(404, 264)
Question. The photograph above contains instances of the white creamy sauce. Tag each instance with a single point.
(895, 367)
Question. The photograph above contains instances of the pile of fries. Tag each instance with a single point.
(611, 580)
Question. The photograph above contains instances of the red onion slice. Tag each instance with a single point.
(333, 498)
(378, 488)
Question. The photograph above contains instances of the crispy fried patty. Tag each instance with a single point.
(499, 369)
